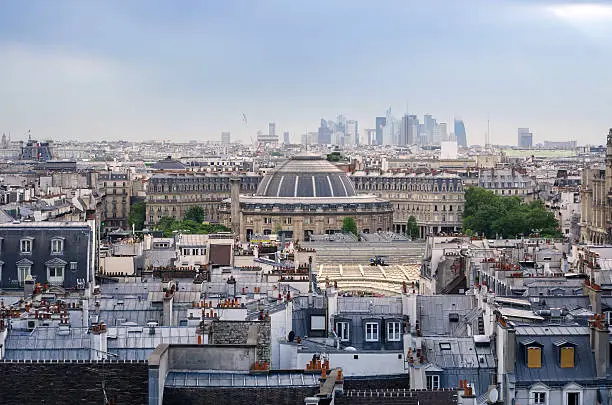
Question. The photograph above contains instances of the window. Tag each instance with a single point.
(573, 398)
(267, 220)
(74, 266)
(433, 382)
(371, 332)
(539, 398)
(57, 246)
(55, 274)
(26, 245)
(287, 221)
(23, 271)
(342, 330)
(567, 357)
(317, 322)
(394, 331)
(534, 357)
(445, 346)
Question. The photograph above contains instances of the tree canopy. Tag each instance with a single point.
(168, 225)
(349, 225)
(490, 214)
(195, 213)
(137, 215)
(412, 228)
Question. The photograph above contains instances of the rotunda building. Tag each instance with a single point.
(305, 195)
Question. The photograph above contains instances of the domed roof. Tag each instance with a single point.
(306, 176)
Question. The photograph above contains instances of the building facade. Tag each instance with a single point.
(118, 193)
(171, 194)
(56, 253)
(508, 182)
(436, 201)
(596, 206)
(305, 195)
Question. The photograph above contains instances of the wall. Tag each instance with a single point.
(280, 326)
(72, 382)
(237, 396)
(368, 364)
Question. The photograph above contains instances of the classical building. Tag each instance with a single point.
(171, 193)
(508, 182)
(117, 195)
(435, 200)
(305, 195)
(596, 206)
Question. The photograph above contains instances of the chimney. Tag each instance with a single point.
(467, 397)
(235, 212)
(594, 293)
(167, 308)
(100, 342)
(599, 338)
(28, 287)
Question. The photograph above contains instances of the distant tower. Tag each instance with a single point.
(225, 138)
(525, 138)
(286, 138)
(272, 128)
(460, 134)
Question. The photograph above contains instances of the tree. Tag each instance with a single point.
(412, 228)
(170, 225)
(196, 214)
(137, 215)
(490, 214)
(349, 225)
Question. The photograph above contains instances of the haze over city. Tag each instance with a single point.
(152, 70)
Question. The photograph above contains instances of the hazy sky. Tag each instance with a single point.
(188, 69)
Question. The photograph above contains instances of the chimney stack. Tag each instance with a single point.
(599, 338)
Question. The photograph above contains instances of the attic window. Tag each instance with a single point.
(445, 346)
(534, 357)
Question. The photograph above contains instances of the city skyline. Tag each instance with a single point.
(92, 71)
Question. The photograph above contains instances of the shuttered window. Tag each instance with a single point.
(567, 357)
(534, 357)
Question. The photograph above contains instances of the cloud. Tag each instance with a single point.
(593, 19)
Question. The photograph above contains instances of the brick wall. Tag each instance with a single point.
(72, 382)
(237, 396)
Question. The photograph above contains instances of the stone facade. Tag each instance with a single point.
(171, 194)
(237, 333)
(73, 382)
(117, 196)
(596, 201)
(436, 201)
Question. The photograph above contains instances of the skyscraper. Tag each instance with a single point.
(380, 124)
(460, 133)
(525, 138)
(351, 133)
(225, 138)
(286, 139)
(325, 133)
(272, 129)
(413, 130)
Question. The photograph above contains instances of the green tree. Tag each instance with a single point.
(195, 213)
(487, 213)
(412, 228)
(349, 225)
(170, 225)
(137, 215)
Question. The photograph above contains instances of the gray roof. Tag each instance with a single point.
(306, 176)
(463, 353)
(551, 371)
(235, 379)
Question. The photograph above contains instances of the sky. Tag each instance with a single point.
(187, 70)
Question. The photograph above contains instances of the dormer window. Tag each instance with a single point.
(25, 245)
(534, 355)
(57, 246)
(566, 353)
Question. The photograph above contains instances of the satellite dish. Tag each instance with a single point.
(291, 336)
(492, 395)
